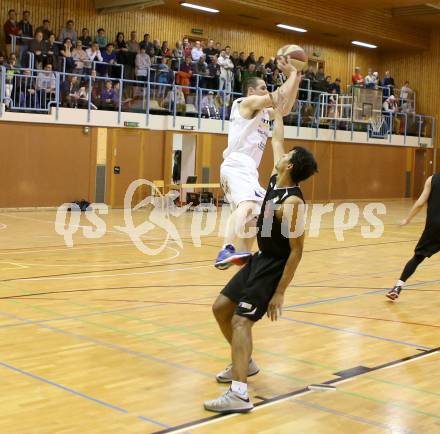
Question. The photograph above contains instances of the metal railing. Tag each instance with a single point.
(151, 97)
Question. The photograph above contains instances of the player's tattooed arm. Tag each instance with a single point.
(421, 201)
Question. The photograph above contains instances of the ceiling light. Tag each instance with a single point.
(295, 29)
(363, 44)
(200, 8)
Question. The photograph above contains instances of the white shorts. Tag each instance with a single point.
(239, 180)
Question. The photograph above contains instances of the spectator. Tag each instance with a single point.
(335, 86)
(320, 75)
(11, 70)
(208, 107)
(133, 45)
(143, 64)
(11, 28)
(45, 86)
(357, 78)
(68, 32)
(24, 93)
(310, 75)
(201, 69)
(250, 72)
(250, 60)
(162, 77)
(26, 32)
(271, 65)
(213, 80)
(390, 106)
(405, 93)
(165, 51)
(210, 51)
(108, 56)
(388, 83)
(177, 56)
(277, 79)
(66, 55)
(186, 48)
(183, 77)
(52, 51)
(93, 55)
(44, 28)
(146, 43)
(38, 48)
(121, 49)
(84, 94)
(101, 39)
(196, 52)
(168, 102)
(80, 58)
(328, 83)
(108, 96)
(70, 91)
(218, 49)
(2, 59)
(157, 49)
(261, 68)
(226, 72)
(85, 38)
(370, 80)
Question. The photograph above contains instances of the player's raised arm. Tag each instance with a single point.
(277, 139)
(282, 99)
(421, 201)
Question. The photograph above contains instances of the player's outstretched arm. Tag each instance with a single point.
(421, 201)
(277, 139)
(282, 99)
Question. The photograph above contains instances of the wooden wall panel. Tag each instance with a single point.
(45, 165)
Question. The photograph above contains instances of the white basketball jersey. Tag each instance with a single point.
(247, 136)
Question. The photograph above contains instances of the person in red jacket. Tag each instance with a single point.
(11, 27)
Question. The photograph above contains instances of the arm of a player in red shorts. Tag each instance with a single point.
(282, 99)
(421, 201)
(275, 307)
(277, 139)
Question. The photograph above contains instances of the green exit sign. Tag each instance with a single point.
(131, 124)
(197, 31)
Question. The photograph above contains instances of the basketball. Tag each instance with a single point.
(295, 55)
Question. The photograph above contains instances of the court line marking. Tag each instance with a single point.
(77, 393)
(295, 394)
(3, 226)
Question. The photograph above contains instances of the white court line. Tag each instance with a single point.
(3, 226)
(287, 398)
(16, 265)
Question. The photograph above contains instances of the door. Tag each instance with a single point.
(420, 174)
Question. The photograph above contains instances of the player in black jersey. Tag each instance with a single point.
(429, 243)
(259, 287)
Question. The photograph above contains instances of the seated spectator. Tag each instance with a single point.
(84, 95)
(11, 28)
(208, 106)
(165, 51)
(70, 91)
(357, 78)
(108, 97)
(85, 38)
(405, 93)
(146, 43)
(66, 55)
(101, 39)
(68, 32)
(52, 52)
(196, 52)
(213, 74)
(38, 47)
(24, 92)
(80, 58)
(250, 72)
(177, 56)
(370, 80)
(45, 86)
(250, 60)
(11, 70)
(183, 77)
(210, 51)
(320, 76)
(26, 32)
(390, 105)
(335, 86)
(93, 55)
(388, 83)
(143, 64)
(45, 29)
(168, 102)
(108, 56)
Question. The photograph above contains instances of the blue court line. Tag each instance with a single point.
(353, 332)
(111, 346)
(392, 428)
(79, 394)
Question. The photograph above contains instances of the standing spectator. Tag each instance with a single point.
(186, 48)
(85, 38)
(260, 68)
(133, 45)
(210, 51)
(388, 84)
(52, 51)
(143, 64)
(196, 52)
(162, 77)
(214, 74)
(45, 86)
(2, 59)
(250, 60)
(201, 69)
(250, 72)
(66, 55)
(26, 32)
(80, 58)
(405, 93)
(218, 49)
(38, 47)
(93, 55)
(108, 96)
(157, 48)
(146, 43)
(226, 72)
(183, 77)
(121, 49)
(166, 52)
(177, 56)
(357, 78)
(310, 75)
(108, 56)
(320, 75)
(328, 83)
(11, 28)
(335, 86)
(68, 32)
(370, 80)
(101, 39)
(271, 65)
(45, 29)
(277, 79)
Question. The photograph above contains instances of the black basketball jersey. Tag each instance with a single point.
(272, 233)
(433, 213)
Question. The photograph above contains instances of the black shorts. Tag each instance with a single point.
(429, 243)
(254, 285)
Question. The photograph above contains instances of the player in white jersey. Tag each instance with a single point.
(248, 133)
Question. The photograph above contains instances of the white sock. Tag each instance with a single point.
(240, 388)
(400, 283)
